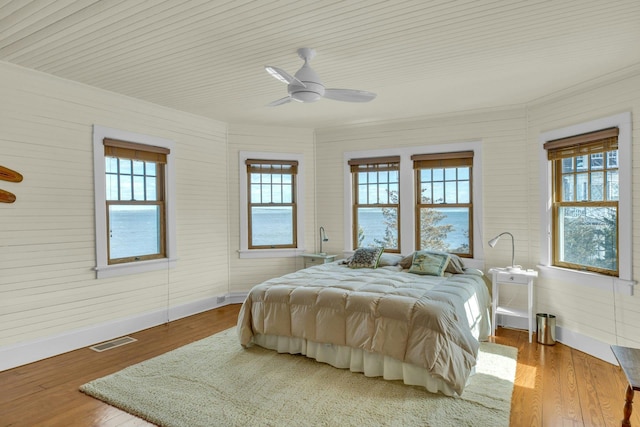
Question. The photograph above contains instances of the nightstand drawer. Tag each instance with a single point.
(316, 259)
(309, 261)
(506, 277)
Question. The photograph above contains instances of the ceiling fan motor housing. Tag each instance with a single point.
(314, 89)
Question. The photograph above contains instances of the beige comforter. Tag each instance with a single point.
(423, 320)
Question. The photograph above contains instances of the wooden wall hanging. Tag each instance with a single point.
(7, 174)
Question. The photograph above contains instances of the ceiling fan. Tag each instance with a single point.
(306, 86)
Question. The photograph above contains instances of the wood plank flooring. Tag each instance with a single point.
(555, 385)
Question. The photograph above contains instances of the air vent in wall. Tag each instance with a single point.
(108, 345)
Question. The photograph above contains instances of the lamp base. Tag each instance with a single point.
(514, 268)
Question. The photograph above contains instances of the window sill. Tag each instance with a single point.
(594, 280)
(270, 253)
(116, 270)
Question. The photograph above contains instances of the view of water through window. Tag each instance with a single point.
(273, 226)
(134, 231)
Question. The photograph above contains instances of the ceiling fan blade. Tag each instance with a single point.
(280, 101)
(282, 75)
(349, 95)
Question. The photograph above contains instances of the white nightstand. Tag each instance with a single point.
(317, 259)
(505, 276)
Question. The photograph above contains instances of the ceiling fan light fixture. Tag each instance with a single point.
(310, 92)
(306, 96)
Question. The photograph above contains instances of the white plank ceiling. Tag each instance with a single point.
(421, 57)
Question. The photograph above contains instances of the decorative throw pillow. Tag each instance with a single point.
(388, 260)
(365, 258)
(429, 263)
(455, 265)
(406, 262)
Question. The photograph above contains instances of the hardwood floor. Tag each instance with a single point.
(555, 385)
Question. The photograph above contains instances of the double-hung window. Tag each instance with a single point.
(443, 202)
(585, 196)
(134, 182)
(135, 201)
(376, 206)
(418, 197)
(272, 205)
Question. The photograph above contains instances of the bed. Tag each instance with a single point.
(386, 321)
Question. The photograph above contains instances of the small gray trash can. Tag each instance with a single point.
(546, 328)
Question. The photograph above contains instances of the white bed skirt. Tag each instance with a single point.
(357, 360)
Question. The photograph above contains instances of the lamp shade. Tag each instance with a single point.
(492, 243)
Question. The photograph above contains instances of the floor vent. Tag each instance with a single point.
(112, 344)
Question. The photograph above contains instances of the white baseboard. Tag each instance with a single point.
(19, 354)
(567, 337)
(236, 297)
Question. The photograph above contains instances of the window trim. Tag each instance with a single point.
(103, 268)
(408, 191)
(599, 142)
(354, 165)
(293, 204)
(624, 283)
(430, 161)
(244, 251)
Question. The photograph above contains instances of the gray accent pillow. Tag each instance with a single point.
(455, 266)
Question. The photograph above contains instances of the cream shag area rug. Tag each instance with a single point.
(215, 382)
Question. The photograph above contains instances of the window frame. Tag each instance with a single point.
(408, 191)
(622, 284)
(103, 268)
(292, 204)
(568, 151)
(372, 165)
(454, 159)
(245, 251)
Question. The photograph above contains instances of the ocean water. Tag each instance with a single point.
(134, 232)
(272, 226)
(373, 223)
(276, 226)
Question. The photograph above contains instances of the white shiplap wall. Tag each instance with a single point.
(503, 140)
(602, 315)
(47, 254)
(48, 287)
(502, 135)
(511, 192)
(247, 272)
